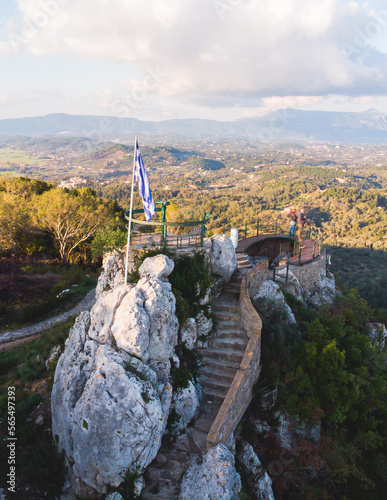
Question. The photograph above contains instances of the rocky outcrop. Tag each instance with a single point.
(112, 274)
(223, 256)
(270, 297)
(158, 268)
(140, 319)
(292, 286)
(257, 478)
(215, 478)
(323, 291)
(111, 396)
(194, 329)
(186, 404)
(188, 333)
(109, 411)
(290, 430)
(378, 334)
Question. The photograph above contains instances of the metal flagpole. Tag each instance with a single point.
(130, 212)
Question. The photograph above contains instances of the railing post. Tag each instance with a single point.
(202, 235)
(314, 245)
(299, 256)
(258, 227)
(274, 270)
(165, 237)
(245, 230)
(287, 268)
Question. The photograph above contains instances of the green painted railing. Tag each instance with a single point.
(186, 239)
(280, 226)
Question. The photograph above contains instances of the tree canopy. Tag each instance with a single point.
(31, 210)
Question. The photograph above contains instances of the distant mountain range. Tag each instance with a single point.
(287, 124)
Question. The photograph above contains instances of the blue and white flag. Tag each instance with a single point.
(143, 185)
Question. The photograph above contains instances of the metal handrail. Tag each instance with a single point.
(280, 226)
(180, 240)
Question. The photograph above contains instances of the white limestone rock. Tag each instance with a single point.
(193, 329)
(140, 320)
(112, 274)
(257, 477)
(139, 484)
(54, 355)
(206, 299)
(324, 290)
(186, 404)
(188, 333)
(114, 496)
(270, 297)
(158, 267)
(109, 408)
(290, 431)
(378, 334)
(216, 478)
(293, 286)
(204, 325)
(109, 412)
(103, 313)
(223, 256)
(216, 288)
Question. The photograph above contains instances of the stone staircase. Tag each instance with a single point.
(219, 363)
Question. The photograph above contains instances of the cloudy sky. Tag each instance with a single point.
(217, 59)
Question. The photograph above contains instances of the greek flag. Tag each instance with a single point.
(143, 185)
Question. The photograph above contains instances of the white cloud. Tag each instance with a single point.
(228, 51)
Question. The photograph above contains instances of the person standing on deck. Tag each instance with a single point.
(293, 221)
(301, 220)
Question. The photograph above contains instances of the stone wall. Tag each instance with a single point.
(309, 274)
(239, 395)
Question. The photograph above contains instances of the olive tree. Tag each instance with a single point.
(71, 217)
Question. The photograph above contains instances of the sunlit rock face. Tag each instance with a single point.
(111, 395)
(223, 256)
(112, 274)
(270, 297)
(324, 290)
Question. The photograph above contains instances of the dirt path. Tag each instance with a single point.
(29, 331)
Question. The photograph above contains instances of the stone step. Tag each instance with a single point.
(224, 305)
(218, 373)
(226, 373)
(237, 281)
(235, 343)
(218, 385)
(205, 421)
(232, 286)
(244, 265)
(213, 394)
(242, 256)
(231, 334)
(224, 354)
(227, 324)
(219, 363)
(226, 316)
(232, 296)
(198, 439)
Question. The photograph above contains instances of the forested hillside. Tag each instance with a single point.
(343, 189)
(51, 240)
